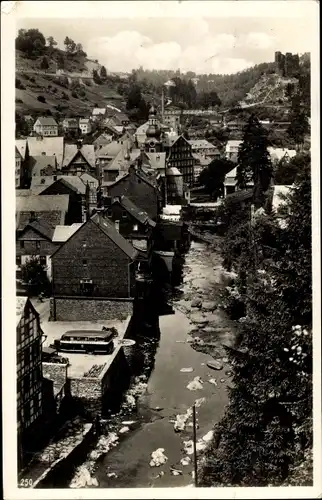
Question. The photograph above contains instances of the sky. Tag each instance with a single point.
(203, 44)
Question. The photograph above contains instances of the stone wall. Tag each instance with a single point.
(83, 309)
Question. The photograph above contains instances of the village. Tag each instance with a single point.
(117, 232)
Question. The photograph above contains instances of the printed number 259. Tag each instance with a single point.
(26, 483)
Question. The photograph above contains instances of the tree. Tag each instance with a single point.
(60, 61)
(34, 274)
(51, 42)
(103, 73)
(299, 126)
(44, 63)
(70, 45)
(213, 176)
(22, 127)
(96, 77)
(288, 170)
(134, 97)
(32, 42)
(254, 164)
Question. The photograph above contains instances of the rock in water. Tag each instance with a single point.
(187, 370)
(195, 384)
(209, 306)
(215, 365)
(196, 303)
(158, 458)
(198, 318)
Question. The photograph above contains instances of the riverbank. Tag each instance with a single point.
(148, 441)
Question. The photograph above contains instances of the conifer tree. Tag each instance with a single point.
(254, 164)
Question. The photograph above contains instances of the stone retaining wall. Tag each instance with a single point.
(57, 372)
(84, 309)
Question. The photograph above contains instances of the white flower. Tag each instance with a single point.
(286, 349)
(291, 359)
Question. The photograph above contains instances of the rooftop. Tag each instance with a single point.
(25, 205)
(47, 121)
(86, 150)
(109, 229)
(41, 162)
(63, 233)
(135, 211)
(51, 146)
(42, 227)
(21, 145)
(20, 306)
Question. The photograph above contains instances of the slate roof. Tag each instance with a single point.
(232, 145)
(51, 146)
(87, 178)
(279, 153)
(21, 145)
(103, 139)
(135, 211)
(47, 121)
(53, 208)
(201, 143)
(120, 162)
(109, 229)
(87, 151)
(42, 227)
(98, 111)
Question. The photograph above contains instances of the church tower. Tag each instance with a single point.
(153, 143)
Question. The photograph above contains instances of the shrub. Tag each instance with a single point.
(41, 98)
(74, 94)
(65, 96)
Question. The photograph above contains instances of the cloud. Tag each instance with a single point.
(206, 53)
(261, 41)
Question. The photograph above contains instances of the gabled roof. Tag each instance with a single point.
(232, 144)
(110, 231)
(120, 162)
(87, 178)
(70, 121)
(201, 143)
(103, 139)
(38, 163)
(141, 130)
(56, 204)
(177, 139)
(51, 146)
(87, 151)
(47, 121)
(112, 149)
(21, 145)
(40, 184)
(20, 307)
(279, 153)
(139, 214)
(42, 227)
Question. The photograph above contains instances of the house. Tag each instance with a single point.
(102, 140)
(94, 264)
(171, 117)
(43, 165)
(85, 125)
(70, 125)
(82, 196)
(180, 156)
(54, 209)
(119, 165)
(201, 162)
(46, 126)
(205, 148)
(47, 146)
(35, 240)
(155, 161)
(78, 159)
(132, 222)
(98, 113)
(29, 375)
(141, 189)
(22, 163)
(18, 169)
(231, 151)
(230, 182)
(119, 120)
(107, 153)
(281, 154)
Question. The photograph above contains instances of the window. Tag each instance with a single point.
(18, 260)
(84, 262)
(22, 244)
(26, 383)
(86, 287)
(42, 260)
(124, 214)
(135, 227)
(109, 212)
(37, 244)
(26, 411)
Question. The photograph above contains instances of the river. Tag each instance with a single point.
(162, 392)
